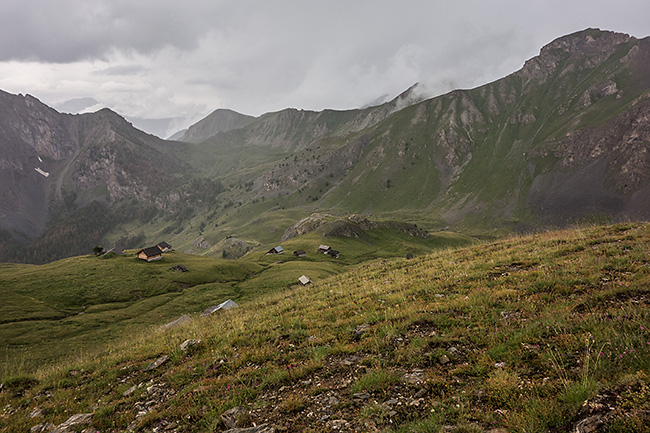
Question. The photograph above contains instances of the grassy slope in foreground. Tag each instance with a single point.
(514, 334)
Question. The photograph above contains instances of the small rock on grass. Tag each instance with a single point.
(231, 418)
(361, 396)
(185, 345)
(157, 363)
(74, 420)
(415, 378)
(40, 428)
(339, 424)
(129, 391)
(421, 393)
(264, 428)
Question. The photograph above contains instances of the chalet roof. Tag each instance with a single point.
(324, 248)
(164, 245)
(299, 253)
(276, 250)
(151, 251)
(304, 280)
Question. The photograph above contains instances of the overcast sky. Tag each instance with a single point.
(163, 58)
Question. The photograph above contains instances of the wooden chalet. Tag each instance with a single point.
(164, 247)
(150, 254)
(300, 253)
(324, 249)
(276, 250)
(332, 253)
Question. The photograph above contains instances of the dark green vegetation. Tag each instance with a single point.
(71, 306)
(518, 334)
(565, 139)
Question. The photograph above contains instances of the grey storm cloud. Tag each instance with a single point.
(122, 70)
(70, 30)
(164, 58)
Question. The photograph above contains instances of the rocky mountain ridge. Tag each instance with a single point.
(564, 139)
(576, 115)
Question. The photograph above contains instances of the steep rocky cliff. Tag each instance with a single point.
(57, 168)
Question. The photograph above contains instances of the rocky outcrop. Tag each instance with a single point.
(353, 226)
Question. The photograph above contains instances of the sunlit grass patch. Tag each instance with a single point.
(376, 380)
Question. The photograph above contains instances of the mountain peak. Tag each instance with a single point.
(587, 48)
(591, 40)
(220, 120)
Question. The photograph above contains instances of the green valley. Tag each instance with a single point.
(71, 306)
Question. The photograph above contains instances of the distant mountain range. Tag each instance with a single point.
(563, 140)
(160, 127)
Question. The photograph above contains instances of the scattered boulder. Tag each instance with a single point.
(73, 421)
(360, 330)
(201, 243)
(129, 391)
(232, 417)
(41, 428)
(339, 424)
(421, 393)
(178, 322)
(361, 396)
(351, 360)
(187, 344)
(264, 428)
(157, 363)
(226, 305)
(416, 378)
(155, 394)
(590, 424)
